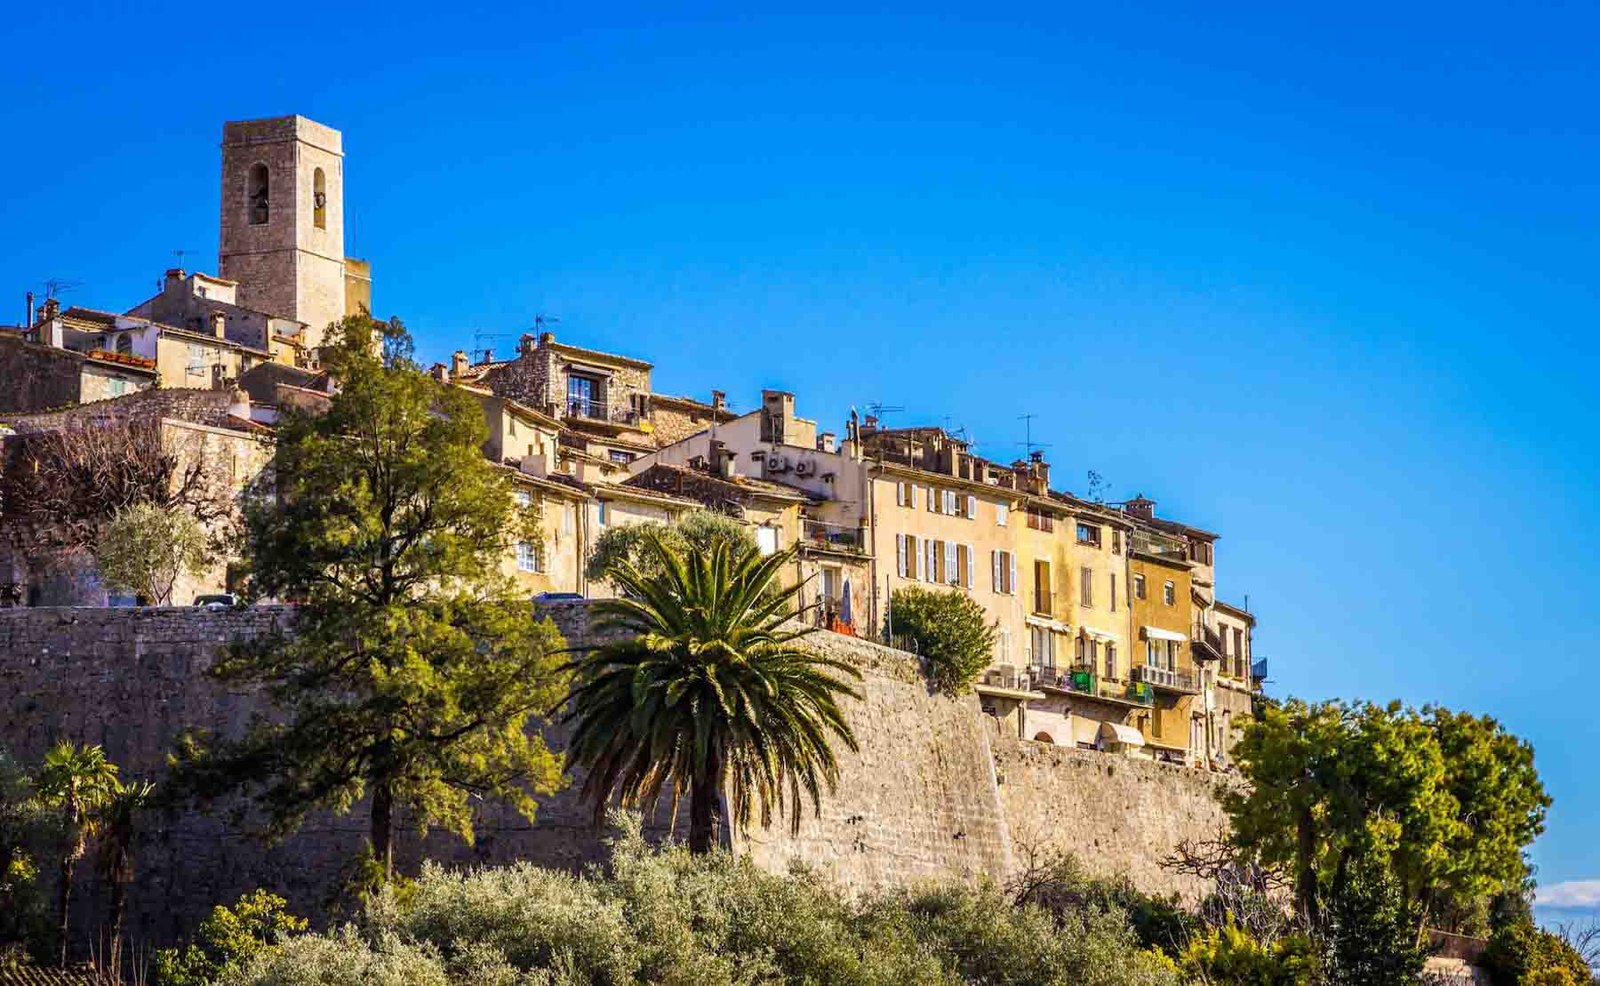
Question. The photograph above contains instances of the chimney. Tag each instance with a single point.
(826, 442)
(526, 343)
(547, 338)
(458, 364)
(1139, 506)
(439, 372)
(488, 356)
(29, 323)
(719, 402)
(219, 325)
(174, 275)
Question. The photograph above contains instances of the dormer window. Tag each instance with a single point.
(258, 196)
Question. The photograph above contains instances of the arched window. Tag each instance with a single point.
(257, 196)
(319, 199)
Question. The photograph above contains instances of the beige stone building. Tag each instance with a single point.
(282, 224)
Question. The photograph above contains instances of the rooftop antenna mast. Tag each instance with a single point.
(1028, 444)
(55, 286)
(541, 320)
(480, 353)
(878, 409)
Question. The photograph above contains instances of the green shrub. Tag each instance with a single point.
(671, 918)
(951, 632)
(1228, 955)
(230, 937)
(695, 529)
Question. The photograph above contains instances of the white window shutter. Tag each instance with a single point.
(900, 554)
(994, 569)
(1012, 585)
(969, 565)
(972, 507)
(899, 494)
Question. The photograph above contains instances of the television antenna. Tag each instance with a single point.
(480, 353)
(56, 285)
(878, 409)
(541, 320)
(1028, 444)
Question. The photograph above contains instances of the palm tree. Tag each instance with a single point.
(709, 692)
(77, 781)
(119, 818)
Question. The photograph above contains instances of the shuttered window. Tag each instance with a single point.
(1041, 587)
(1086, 586)
(1002, 513)
(1113, 580)
(900, 555)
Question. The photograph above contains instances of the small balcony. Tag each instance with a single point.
(1208, 643)
(597, 410)
(1159, 546)
(1083, 680)
(1258, 671)
(835, 536)
(1166, 679)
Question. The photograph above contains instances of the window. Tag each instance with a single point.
(1169, 593)
(1041, 587)
(567, 518)
(767, 540)
(905, 553)
(950, 503)
(1086, 586)
(1089, 534)
(619, 456)
(258, 195)
(527, 558)
(1042, 646)
(1004, 565)
(1002, 647)
(1116, 542)
(1038, 520)
(1112, 578)
(319, 199)
(1202, 552)
(584, 398)
(600, 515)
(930, 561)
(1111, 661)
(116, 386)
(125, 342)
(1138, 587)
(197, 359)
(524, 498)
(1002, 513)
(905, 494)
(830, 584)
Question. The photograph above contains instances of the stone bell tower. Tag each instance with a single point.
(283, 220)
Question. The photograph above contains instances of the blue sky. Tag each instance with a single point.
(1321, 281)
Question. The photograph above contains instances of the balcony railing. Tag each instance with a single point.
(1084, 680)
(581, 407)
(1159, 546)
(1004, 676)
(834, 535)
(1210, 638)
(1172, 680)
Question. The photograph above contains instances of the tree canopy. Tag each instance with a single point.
(710, 692)
(145, 549)
(1443, 802)
(696, 529)
(952, 633)
(412, 671)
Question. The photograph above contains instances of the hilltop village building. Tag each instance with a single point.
(1110, 633)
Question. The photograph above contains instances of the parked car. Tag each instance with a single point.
(557, 597)
(219, 600)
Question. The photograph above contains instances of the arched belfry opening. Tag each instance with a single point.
(258, 195)
(319, 199)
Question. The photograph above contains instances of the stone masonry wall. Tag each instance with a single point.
(930, 793)
(1120, 816)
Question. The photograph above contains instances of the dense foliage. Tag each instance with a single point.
(1522, 954)
(697, 530)
(412, 672)
(1441, 803)
(146, 548)
(950, 631)
(708, 693)
(671, 917)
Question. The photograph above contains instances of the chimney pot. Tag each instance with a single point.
(458, 363)
(546, 338)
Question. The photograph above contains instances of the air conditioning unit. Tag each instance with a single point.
(777, 463)
(805, 467)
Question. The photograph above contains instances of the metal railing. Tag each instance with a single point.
(580, 407)
(1004, 676)
(834, 535)
(1203, 634)
(1173, 680)
(1160, 546)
